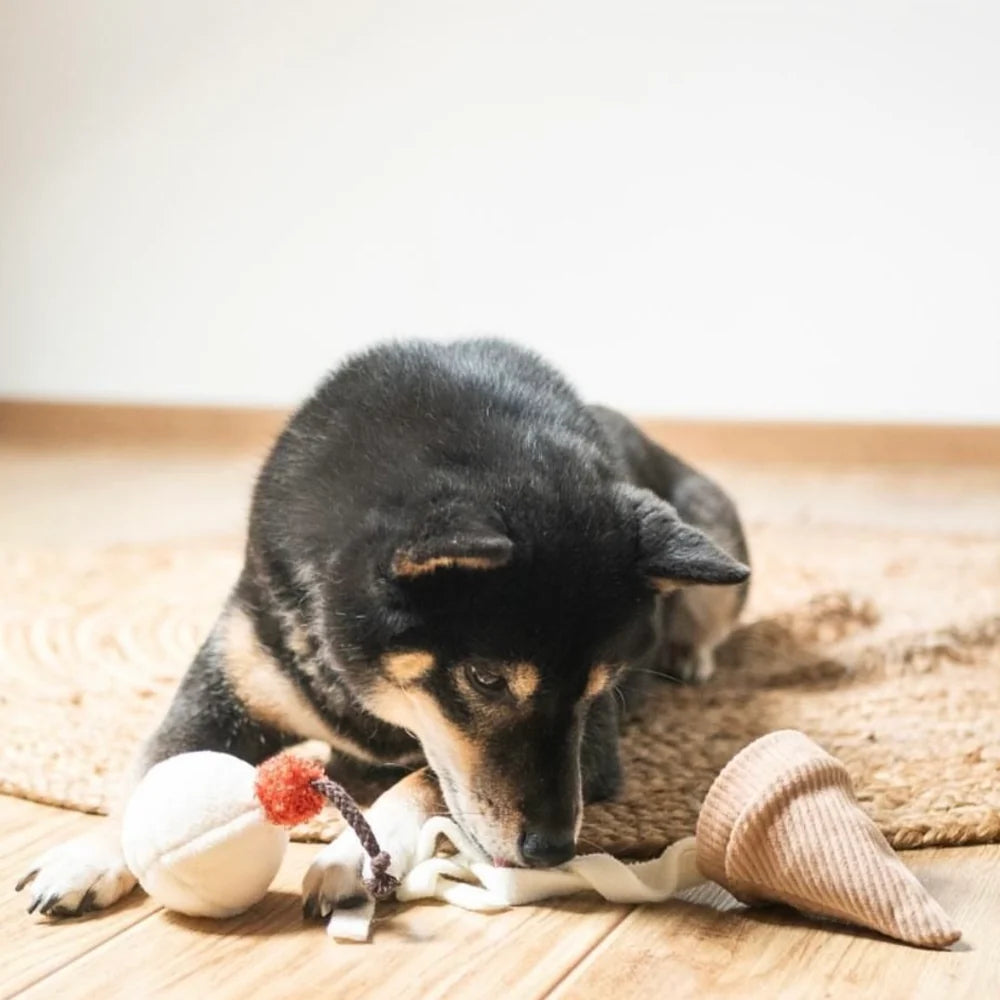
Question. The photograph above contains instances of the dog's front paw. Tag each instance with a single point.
(334, 878)
(84, 874)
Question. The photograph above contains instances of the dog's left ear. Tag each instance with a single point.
(674, 554)
(462, 540)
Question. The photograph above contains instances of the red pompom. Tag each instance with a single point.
(285, 791)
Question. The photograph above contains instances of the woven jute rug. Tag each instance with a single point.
(884, 647)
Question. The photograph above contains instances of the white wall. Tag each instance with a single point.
(786, 209)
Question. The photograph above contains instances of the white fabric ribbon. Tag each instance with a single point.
(467, 879)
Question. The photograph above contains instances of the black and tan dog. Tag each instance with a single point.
(454, 567)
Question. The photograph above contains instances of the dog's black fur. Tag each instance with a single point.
(451, 558)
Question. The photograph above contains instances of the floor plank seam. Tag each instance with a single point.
(83, 954)
(597, 946)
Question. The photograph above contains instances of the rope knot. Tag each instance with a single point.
(381, 882)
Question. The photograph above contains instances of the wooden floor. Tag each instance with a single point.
(570, 949)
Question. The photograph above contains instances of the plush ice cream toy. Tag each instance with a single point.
(204, 833)
(780, 824)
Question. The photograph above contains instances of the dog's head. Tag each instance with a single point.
(487, 631)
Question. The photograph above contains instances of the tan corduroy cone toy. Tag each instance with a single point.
(781, 824)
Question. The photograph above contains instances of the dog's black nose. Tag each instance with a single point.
(542, 848)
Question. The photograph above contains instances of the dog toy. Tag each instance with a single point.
(205, 832)
(780, 824)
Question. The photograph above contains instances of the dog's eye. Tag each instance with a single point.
(486, 681)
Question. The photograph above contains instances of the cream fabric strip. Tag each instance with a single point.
(467, 879)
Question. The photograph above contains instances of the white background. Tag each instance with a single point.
(785, 209)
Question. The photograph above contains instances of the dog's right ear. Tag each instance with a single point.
(672, 553)
(453, 540)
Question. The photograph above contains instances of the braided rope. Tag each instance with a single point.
(381, 882)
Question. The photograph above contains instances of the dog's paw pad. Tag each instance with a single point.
(84, 874)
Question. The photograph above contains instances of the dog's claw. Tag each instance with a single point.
(25, 879)
(85, 874)
(52, 907)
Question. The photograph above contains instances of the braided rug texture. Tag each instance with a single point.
(883, 647)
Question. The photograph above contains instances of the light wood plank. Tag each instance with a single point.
(427, 951)
(577, 949)
(33, 947)
(26, 826)
(714, 947)
(38, 424)
(43, 424)
(831, 444)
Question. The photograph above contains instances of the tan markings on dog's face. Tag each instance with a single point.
(444, 743)
(523, 680)
(664, 585)
(403, 565)
(407, 668)
(392, 703)
(267, 694)
(476, 797)
(598, 681)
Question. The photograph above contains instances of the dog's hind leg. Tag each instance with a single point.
(690, 621)
(207, 713)
(699, 621)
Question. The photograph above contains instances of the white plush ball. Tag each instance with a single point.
(197, 839)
